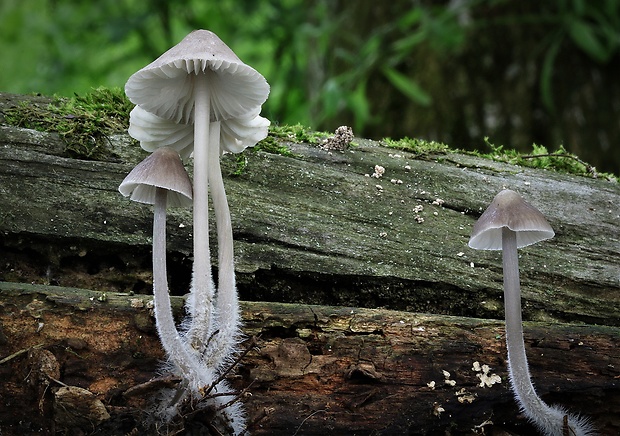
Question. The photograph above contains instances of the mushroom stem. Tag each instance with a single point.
(201, 301)
(170, 338)
(224, 344)
(548, 419)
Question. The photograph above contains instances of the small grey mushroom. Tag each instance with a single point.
(507, 224)
(161, 179)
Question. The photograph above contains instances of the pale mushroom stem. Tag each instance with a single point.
(201, 300)
(223, 345)
(548, 419)
(168, 333)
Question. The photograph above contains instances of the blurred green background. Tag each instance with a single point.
(456, 72)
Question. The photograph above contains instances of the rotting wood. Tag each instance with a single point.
(315, 369)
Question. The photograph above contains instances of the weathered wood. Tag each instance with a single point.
(313, 229)
(316, 369)
(316, 229)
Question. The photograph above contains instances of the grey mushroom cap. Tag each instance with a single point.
(162, 169)
(509, 209)
(165, 86)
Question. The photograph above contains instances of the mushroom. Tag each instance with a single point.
(507, 224)
(232, 135)
(161, 180)
(195, 82)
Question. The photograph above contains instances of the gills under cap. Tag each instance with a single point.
(162, 169)
(508, 209)
(236, 133)
(165, 86)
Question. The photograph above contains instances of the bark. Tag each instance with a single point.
(314, 369)
(314, 231)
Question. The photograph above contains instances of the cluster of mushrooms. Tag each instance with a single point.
(199, 100)
(196, 100)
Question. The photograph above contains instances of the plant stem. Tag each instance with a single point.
(201, 300)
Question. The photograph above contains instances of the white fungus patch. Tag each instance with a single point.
(447, 380)
(379, 170)
(484, 375)
(464, 397)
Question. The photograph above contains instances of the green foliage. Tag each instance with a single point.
(83, 122)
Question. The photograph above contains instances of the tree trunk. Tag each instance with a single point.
(312, 230)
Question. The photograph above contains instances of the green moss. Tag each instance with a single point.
(296, 133)
(559, 160)
(83, 122)
(419, 147)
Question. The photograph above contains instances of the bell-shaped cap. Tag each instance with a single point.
(162, 169)
(236, 134)
(165, 87)
(508, 209)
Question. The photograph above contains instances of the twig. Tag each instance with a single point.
(230, 368)
(307, 418)
(19, 353)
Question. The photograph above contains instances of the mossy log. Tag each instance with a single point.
(316, 230)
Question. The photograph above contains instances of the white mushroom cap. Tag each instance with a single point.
(165, 86)
(508, 209)
(236, 134)
(162, 169)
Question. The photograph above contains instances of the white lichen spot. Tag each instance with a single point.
(437, 409)
(484, 374)
(447, 380)
(431, 385)
(396, 181)
(379, 170)
(438, 202)
(418, 219)
(136, 303)
(464, 397)
(407, 167)
(383, 234)
(379, 188)
(419, 208)
(460, 254)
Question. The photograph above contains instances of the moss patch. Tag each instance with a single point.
(559, 160)
(83, 122)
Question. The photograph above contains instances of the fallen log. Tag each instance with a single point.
(313, 369)
(383, 293)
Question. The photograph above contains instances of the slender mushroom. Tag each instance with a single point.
(507, 224)
(232, 135)
(161, 180)
(197, 81)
